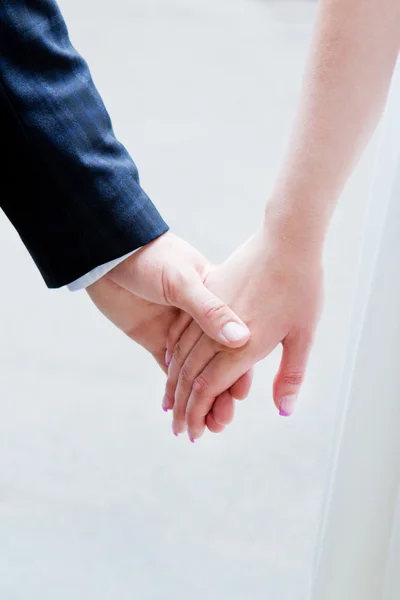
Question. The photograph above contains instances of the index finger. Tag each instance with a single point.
(219, 375)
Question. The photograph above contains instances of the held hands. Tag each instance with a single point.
(150, 321)
(163, 297)
(170, 272)
(278, 293)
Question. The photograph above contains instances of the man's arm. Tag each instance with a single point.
(78, 203)
(71, 189)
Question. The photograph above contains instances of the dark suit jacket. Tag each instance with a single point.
(67, 185)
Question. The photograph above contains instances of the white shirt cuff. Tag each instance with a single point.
(96, 273)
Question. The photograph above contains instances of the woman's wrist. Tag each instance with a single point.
(294, 229)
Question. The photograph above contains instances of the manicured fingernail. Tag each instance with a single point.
(165, 403)
(168, 358)
(191, 438)
(175, 432)
(286, 405)
(233, 332)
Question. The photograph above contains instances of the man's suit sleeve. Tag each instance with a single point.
(71, 189)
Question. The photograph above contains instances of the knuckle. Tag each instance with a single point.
(200, 385)
(185, 376)
(213, 309)
(293, 376)
(177, 353)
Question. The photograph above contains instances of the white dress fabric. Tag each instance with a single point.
(358, 554)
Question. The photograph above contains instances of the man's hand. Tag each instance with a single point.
(152, 325)
(170, 272)
(144, 322)
(277, 290)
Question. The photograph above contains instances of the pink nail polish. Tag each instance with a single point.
(286, 405)
(191, 438)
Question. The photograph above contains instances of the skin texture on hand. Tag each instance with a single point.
(170, 272)
(144, 322)
(149, 324)
(279, 296)
(276, 291)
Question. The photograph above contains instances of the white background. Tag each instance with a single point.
(97, 499)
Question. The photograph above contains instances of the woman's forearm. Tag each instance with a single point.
(347, 79)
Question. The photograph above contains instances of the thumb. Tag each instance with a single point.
(214, 317)
(291, 373)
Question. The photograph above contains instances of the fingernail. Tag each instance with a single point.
(233, 332)
(165, 403)
(175, 432)
(191, 438)
(286, 405)
(168, 357)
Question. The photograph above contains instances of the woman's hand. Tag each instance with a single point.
(149, 325)
(276, 288)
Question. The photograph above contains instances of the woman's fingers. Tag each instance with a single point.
(198, 358)
(180, 351)
(220, 374)
(177, 328)
(212, 424)
(183, 336)
(288, 381)
(159, 357)
(223, 409)
(241, 389)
